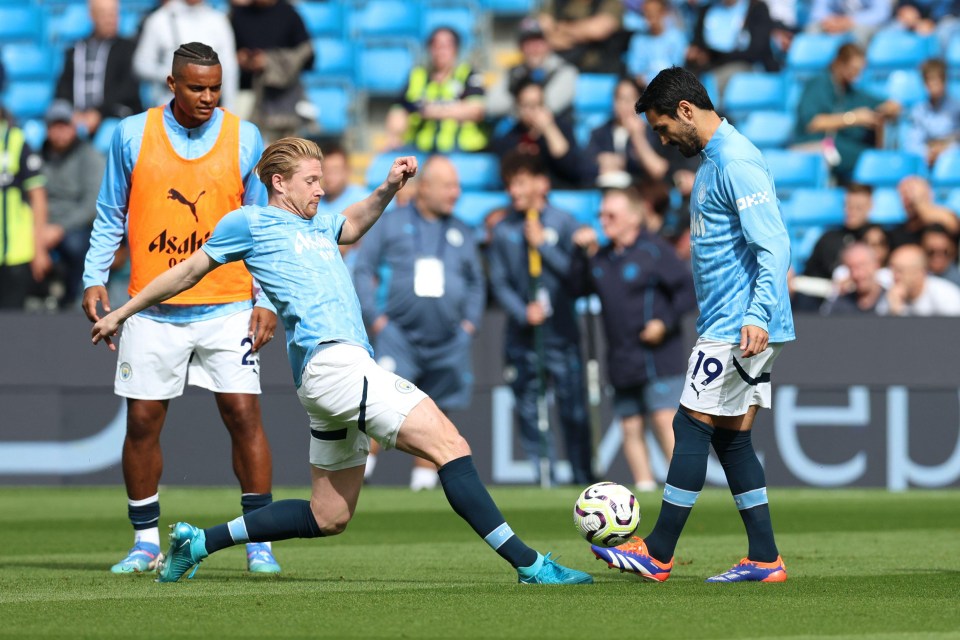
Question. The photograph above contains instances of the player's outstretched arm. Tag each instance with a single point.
(168, 284)
(361, 215)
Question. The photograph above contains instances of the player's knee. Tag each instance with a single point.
(144, 422)
(330, 523)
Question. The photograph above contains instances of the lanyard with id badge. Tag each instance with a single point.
(428, 274)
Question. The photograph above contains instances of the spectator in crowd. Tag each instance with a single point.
(24, 259)
(645, 290)
(273, 49)
(422, 319)
(540, 65)
(860, 291)
(837, 118)
(917, 197)
(914, 291)
(731, 36)
(666, 44)
(624, 148)
(934, 124)
(73, 170)
(539, 133)
(857, 203)
(941, 250)
(172, 24)
(533, 224)
(587, 33)
(97, 77)
(442, 107)
(859, 19)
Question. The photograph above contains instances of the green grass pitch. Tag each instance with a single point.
(862, 564)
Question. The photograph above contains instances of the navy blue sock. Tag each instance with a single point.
(145, 516)
(749, 488)
(685, 478)
(253, 501)
(279, 520)
(470, 499)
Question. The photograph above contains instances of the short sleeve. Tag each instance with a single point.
(231, 239)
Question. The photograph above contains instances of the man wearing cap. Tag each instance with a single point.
(540, 65)
(73, 169)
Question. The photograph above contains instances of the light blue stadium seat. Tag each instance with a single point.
(648, 56)
(30, 61)
(584, 205)
(906, 87)
(585, 123)
(510, 7)
(463, 17)
(333, 107)
(130, 23)
(477, 171)
(473, 206)
(768, 129)
(71, 25)
(953, 201)
(811, 53)
(104, 134)
(21, 23)
(383, 69)
(34, 132)
(594, 93)
(28, 99)
(386, 19)
(946, 170)
(333, 58)
(323, 18)
(814, 208)
(887, 208)
(952, 57)
(802, 242)
(754, 91)
(794, 170)
(885, 168)
(893, 49)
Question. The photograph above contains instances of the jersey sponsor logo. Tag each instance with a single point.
(756, 198)
(173, 194)
(168, 243)
(698, 227)
(314, 242)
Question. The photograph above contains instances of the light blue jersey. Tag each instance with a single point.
(740, 246)
(298, 265)
(110, 224)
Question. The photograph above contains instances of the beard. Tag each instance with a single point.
(688, 142)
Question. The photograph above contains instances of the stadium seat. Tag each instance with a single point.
(34, 132)
(647, 56)
(885, 168)
(811, 53)
(594, 93)
(104, 134)
(386, 19)
(333, 107)
(768, 129)
(463, 17)
(473, 206)
(71, 25)
(906, 87)
(585, 123)
(754, 91)
(510, 7)
(323, 18)
(383, 69)
(946, 170)
(814, 208)
(23, 23)
(584, 205)
(887, 208)
(794, 170)
(802, 242)
(477, 171)
(893, 49)
(29, 61)
(953, 201)
(333, 58)
(952, 57)
(28, 99)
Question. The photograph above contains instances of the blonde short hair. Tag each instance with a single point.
(283, 157)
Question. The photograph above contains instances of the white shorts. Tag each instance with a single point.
(350, 398)
(157, 358)
(721, 382)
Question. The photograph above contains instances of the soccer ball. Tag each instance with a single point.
(606, 514)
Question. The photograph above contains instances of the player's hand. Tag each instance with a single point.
(93, 295)
(263, 323)
(403, 169)
(536, 316)
(586, 239)
(105, 328)
(653, 332)
(753, 340)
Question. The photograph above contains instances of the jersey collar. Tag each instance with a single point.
(180, 130)
(724, 130)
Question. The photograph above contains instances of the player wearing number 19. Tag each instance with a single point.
(741, 253)
(171, 174)
(293, 253)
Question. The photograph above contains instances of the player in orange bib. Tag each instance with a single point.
(171, 174)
